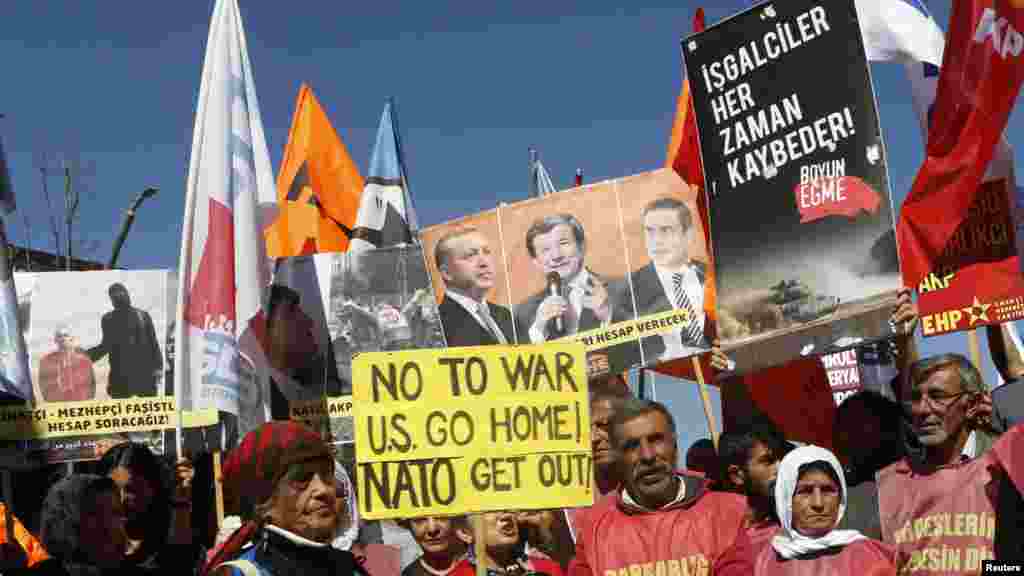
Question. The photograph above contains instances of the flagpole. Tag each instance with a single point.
(403, 170)
(709, 414)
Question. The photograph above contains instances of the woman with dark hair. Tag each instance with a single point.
(158, 518)
(81, 526)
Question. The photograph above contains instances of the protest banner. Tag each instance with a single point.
(93, 336)
(595, 264)
(472, 429)
(843, 373)
(795, 171)
(976, 281)
(380, 300)
(61, 420)
(75, 431)
(97, 335)
(330, 416)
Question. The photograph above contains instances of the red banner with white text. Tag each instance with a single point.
(981, 75)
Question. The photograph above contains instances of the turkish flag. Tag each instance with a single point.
(981, 75)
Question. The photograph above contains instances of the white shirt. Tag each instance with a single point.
(695, 292)
(577, 289)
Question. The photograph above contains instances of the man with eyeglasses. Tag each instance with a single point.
(946, 513)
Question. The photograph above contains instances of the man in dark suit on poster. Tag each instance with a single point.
(464, 260)
(576, 299)
(672, 281)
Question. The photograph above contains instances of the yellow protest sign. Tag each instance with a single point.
(457, 430)
(332, 414)
(94, 417)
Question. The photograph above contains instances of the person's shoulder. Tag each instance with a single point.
(898, 468)
(871, 548)
(545, 566)
(726, 502)
(603, 506)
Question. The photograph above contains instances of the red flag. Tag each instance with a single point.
(981, 75)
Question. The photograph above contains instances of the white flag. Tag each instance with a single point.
(223, 269)
(903, 31)
(15, 378)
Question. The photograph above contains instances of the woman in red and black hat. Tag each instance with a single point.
(283, 476)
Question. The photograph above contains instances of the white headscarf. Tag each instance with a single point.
(345, 537)
(788, 542)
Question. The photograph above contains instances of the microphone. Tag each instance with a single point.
(555, 289)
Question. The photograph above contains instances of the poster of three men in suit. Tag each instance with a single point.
(559, 266)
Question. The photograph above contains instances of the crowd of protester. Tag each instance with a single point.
(901, 490)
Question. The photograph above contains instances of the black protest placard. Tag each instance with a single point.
(795, 173)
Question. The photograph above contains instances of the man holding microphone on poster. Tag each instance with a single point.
(575, 299)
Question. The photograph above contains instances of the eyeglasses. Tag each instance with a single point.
(935, 398)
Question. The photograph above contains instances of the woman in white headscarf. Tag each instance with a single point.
(810, 498)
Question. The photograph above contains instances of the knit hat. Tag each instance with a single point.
(252, 470)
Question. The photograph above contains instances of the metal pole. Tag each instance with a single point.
(534, 189)
(129, 218)
(67, 215)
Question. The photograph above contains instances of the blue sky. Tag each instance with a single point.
(590, 84)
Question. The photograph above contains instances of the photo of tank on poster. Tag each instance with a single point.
(798, 189)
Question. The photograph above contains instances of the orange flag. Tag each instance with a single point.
(318, 186)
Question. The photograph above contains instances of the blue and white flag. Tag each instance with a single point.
(386, 216)
(540, 180)
(15, 378)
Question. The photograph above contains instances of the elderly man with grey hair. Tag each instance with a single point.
(945, 512)
(660, 521)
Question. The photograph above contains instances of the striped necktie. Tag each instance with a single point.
(692, 333)
(484, 312)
